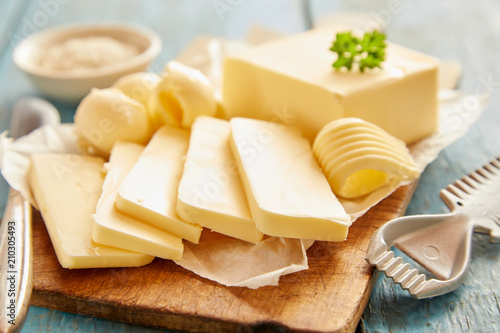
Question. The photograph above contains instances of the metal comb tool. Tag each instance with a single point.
(441, 243)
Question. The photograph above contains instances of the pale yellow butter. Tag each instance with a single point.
(113, 228)
(182, 94)
(106, 116)
(149, 191)
(287, 192)
(138, 86)
(66, 188)
(210, 191)
(291, 80)
(359, 157)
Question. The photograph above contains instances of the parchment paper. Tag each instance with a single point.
(223, 259)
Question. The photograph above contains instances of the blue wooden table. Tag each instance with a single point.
(465, 31)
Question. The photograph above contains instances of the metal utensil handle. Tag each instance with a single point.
(16, 259)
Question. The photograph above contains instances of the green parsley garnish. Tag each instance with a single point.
(368, 52)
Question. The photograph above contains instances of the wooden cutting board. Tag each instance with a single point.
(328, 297)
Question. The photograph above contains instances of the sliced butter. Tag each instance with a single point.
(291, 80)
(210, 191)
(113, 228)
(66, 188)
(358, 157)
(287, 192)
(149, 191)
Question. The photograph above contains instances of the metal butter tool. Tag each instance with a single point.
(16, 252)
(441, 243)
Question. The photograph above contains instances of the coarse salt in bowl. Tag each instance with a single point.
(67, 61)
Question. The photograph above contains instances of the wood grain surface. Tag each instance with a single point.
(461, 30)
(328, 297)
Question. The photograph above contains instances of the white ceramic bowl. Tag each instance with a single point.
(72, 86)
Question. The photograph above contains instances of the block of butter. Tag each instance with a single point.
(291, 80)
(113, 228)
(287, 192)
(210, 191)
(66, 188)
(149, 191)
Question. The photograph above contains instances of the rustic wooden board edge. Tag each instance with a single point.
(408, 193)
(137, 316)
(151, 318)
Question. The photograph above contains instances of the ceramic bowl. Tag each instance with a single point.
(71, 86)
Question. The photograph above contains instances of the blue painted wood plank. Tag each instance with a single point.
(45, 320)
(460, 30)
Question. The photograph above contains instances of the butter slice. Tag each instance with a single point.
(210, 192)
(66, 188)
(291, 80)
(288, 194)
(119, 230)
(149, 191)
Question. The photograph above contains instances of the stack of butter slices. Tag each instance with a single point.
(289, 140)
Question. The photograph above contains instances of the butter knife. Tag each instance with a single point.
(16, 252)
